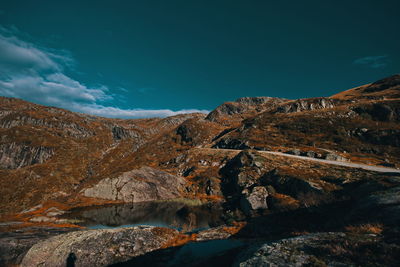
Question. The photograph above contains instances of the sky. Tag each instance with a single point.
(134, 59)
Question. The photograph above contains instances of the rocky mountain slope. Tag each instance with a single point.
(53, 160)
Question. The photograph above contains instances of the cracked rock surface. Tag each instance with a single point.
(97, 247)
(144, 184)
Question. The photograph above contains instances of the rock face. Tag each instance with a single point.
(69, 128)
(306, 104)
(14, 156)
(144, 184)
(120, 133)
(97, 247)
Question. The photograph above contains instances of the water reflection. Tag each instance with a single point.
(176, 215)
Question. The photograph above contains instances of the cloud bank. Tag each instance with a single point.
(374, 62)
(37, 74)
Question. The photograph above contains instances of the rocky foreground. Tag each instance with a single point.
(292, 208)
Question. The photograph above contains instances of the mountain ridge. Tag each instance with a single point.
(60, 151)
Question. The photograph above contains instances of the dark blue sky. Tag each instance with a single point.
(197, 54)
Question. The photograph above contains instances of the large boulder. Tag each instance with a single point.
(242, 172)
(97, 247)
(144, 184)
(254, 199)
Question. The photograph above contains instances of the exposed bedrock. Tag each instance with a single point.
(321, 249)
(69, 128)
(14, 156)
(144, 184)
(97, 247)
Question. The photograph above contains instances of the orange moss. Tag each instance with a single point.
(365, 228)
(299, 233)
(180, 240)
(237, 226)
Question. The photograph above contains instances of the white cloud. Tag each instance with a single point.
(374, 62)
(37, 74)
(113, 112)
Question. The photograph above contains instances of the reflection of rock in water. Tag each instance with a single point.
(189, 219)
(174, 214)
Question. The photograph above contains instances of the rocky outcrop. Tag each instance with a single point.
(321, 249)
(120, 133)
(196, 132)
(241, 172)
(244, 105)
(97, 247)
(14, 156)
(241, 182)
(286, 252)
(231, 143)
(170, 122)
(144, 184)
(15, 244)
(307, 104)
(69, 128)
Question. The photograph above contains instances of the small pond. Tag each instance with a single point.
(173, 214)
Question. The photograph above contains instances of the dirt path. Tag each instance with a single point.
(332, 162)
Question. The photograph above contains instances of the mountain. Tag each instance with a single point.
(267, 159)
(49, 153)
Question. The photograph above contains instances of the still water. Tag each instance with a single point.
(174, 214)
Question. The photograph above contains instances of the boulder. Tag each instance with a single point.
(254, 199)
(335, 157)
(231, 143)
(97, 247)
(241, 172)
(296, 152)
(144, 184)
